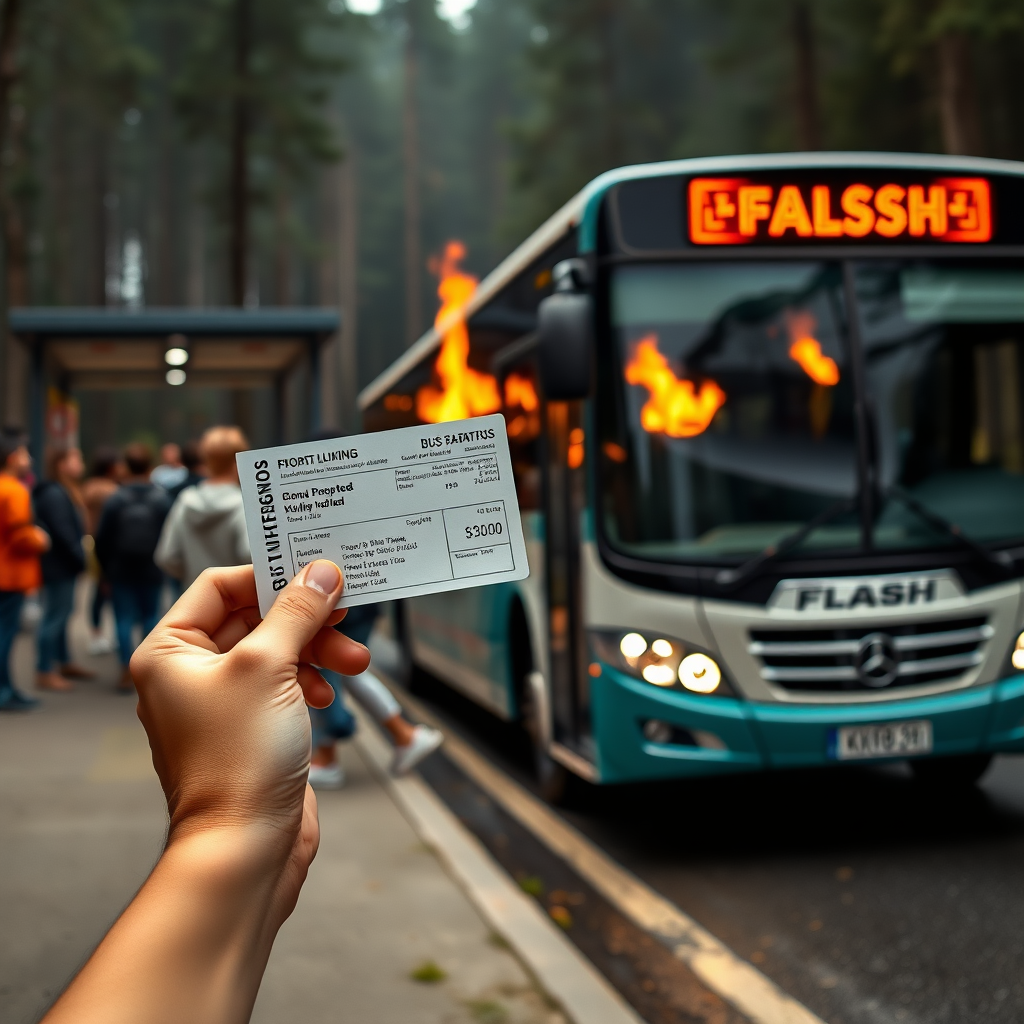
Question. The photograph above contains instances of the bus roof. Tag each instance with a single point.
(582, 211)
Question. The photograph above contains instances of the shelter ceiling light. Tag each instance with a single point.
(176, 356)
(175, 377)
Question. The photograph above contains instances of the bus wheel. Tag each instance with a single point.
(952, 772)
(553, 779)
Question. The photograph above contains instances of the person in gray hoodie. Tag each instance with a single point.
(206, 524)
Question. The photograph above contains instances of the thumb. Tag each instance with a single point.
(301, 611)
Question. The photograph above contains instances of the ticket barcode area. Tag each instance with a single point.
(412, 550)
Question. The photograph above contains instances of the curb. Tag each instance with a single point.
(559, 968)
(736, 980)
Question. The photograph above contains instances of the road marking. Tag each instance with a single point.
(558, 966)
(124, 756)
(728, 975)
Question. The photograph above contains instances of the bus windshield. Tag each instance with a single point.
(727, 407)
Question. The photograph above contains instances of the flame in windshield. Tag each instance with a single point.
(805, 349)
(464, 391)
(675, 407)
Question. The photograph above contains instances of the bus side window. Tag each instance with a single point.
(521, 408)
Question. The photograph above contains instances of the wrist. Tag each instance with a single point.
(228, 854)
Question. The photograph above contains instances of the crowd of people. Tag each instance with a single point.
(142, 531)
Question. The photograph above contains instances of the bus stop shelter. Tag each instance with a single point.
(83, 349)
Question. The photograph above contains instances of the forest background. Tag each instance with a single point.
(254, 152)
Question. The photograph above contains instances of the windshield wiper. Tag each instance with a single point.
(735, 577)
(999, 559)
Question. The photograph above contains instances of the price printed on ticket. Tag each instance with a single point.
(404, 512)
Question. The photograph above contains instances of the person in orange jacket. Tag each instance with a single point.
(21, 544)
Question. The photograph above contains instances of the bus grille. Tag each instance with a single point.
(867, 658)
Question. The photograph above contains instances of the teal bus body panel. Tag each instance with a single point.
(619, 703)
(1006, 728)
(470, 626)
(761, 736)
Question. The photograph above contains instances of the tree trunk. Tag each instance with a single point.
(195, 293)
(808, 121)
(9, 22)
(238, 188)
(606, 72)
(101, 254)
(282, 262)
(347, 367)
(411, 159)
(958, 96)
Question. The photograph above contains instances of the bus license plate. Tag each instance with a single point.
(891, 739)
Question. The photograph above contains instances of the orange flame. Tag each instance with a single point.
(520, 393)
(521, 399)
(675, 406)
(464, 391)
(806, 350)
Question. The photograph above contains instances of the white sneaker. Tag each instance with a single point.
(101, 645)
(326, 776)
(423, 743)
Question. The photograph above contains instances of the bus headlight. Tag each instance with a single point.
(1017, 658)
(660, 660)
(700, 673)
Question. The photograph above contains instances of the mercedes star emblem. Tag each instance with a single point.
(876, 661)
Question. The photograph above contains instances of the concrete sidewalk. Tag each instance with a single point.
(82, 821)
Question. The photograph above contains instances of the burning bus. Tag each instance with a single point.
(768, 440)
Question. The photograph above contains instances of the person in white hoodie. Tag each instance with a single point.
(206, 524)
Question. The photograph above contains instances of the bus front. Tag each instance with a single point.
(804, 535)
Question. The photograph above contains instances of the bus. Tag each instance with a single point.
(767, 436)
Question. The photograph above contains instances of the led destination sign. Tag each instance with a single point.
(741, 211)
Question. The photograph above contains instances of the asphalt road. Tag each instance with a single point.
(864, 895)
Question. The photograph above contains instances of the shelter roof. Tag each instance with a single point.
(90, 321)
(95, 348)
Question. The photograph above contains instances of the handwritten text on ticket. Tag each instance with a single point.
(404, 512)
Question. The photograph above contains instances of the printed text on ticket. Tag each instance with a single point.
(403, 512)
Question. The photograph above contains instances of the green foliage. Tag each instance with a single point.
(487, 1011)
(123, 115)
(532, 885)
(428, 973)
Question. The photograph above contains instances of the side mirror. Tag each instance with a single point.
(565, 345)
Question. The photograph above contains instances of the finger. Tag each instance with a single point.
(212, 598)
(301, 610)
(236, 626)
(336, 616)
(338, 652)
(318, 692)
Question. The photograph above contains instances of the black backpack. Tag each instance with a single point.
(139, 521)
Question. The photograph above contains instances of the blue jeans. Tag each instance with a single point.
(58, 602)
(10, 624)
(100, 596)
(334, 722)
(134, 602)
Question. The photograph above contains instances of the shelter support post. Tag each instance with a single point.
(37, 403)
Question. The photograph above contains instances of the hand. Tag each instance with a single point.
(221, 697)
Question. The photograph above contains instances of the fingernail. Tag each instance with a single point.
(322, 575)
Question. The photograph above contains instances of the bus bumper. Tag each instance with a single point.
(722, 734)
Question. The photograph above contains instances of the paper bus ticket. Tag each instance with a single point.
(418, 510)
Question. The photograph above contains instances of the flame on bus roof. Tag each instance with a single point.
(676, 407)
(464, 391)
